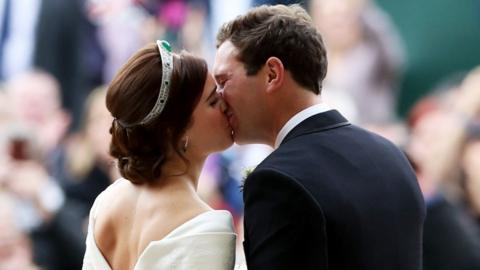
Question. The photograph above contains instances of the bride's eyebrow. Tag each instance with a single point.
(213, 92)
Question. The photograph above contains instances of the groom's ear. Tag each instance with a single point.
(275, 73)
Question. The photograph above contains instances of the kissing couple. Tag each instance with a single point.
(330, 196)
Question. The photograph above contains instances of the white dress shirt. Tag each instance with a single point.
(297, 119)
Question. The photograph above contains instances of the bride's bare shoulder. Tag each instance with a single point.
(130, 217)
(114, 205)
(116, 198)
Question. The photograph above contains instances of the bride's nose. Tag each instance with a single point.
(223, 106)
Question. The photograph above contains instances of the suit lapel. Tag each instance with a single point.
(317, 123)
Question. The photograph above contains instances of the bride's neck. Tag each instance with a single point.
(178, 169)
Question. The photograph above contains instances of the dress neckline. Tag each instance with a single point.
(153, 242)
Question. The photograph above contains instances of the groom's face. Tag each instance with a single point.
(243, 94)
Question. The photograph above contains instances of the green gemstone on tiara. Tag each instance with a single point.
(166, 45)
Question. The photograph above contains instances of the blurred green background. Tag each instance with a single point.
(442, 38)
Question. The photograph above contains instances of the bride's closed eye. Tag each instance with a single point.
(214, 97)
(214, 100)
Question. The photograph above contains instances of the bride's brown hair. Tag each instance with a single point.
(141, 150)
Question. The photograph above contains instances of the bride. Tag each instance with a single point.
(167, 119)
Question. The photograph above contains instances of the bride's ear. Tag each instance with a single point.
(275, 74)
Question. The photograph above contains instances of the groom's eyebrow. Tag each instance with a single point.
(220, 77)
(217, 77)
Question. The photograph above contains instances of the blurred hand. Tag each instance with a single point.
(468, 101)
(25, 179)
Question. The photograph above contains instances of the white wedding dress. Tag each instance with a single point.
(206, 241)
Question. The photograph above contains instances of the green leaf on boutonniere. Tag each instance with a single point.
(246, 173)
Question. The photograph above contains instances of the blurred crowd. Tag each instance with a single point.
(57, 58)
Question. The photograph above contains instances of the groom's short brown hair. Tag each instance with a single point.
(286, 32)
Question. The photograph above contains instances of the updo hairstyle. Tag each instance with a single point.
(142, 149)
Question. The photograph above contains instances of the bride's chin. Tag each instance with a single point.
(228, 141)
(222, 147)
(222, 141)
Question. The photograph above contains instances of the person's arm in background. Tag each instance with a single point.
(60, 218)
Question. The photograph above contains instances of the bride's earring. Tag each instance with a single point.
(186, 144)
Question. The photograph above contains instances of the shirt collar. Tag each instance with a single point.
(298, 118)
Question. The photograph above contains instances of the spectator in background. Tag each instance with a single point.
(470, 159)
(470, 166)
(223, 11)
(193, 36)
(50, 35)
(365, 58)
(34, 156)
(36, 106)
(460, 106)
(89, 165)
(36, 103)
(184, 23)
(53, 222)
(15, 246)
(179, 21)
(122, 27)
(438, 125)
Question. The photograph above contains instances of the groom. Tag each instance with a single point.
(331, 195)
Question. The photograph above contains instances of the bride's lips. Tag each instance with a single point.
(229, 115)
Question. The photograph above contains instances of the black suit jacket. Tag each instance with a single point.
(333, 196)
(451, 239)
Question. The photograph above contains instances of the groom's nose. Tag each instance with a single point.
(220, 92)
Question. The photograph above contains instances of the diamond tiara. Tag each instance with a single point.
(167, 69)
